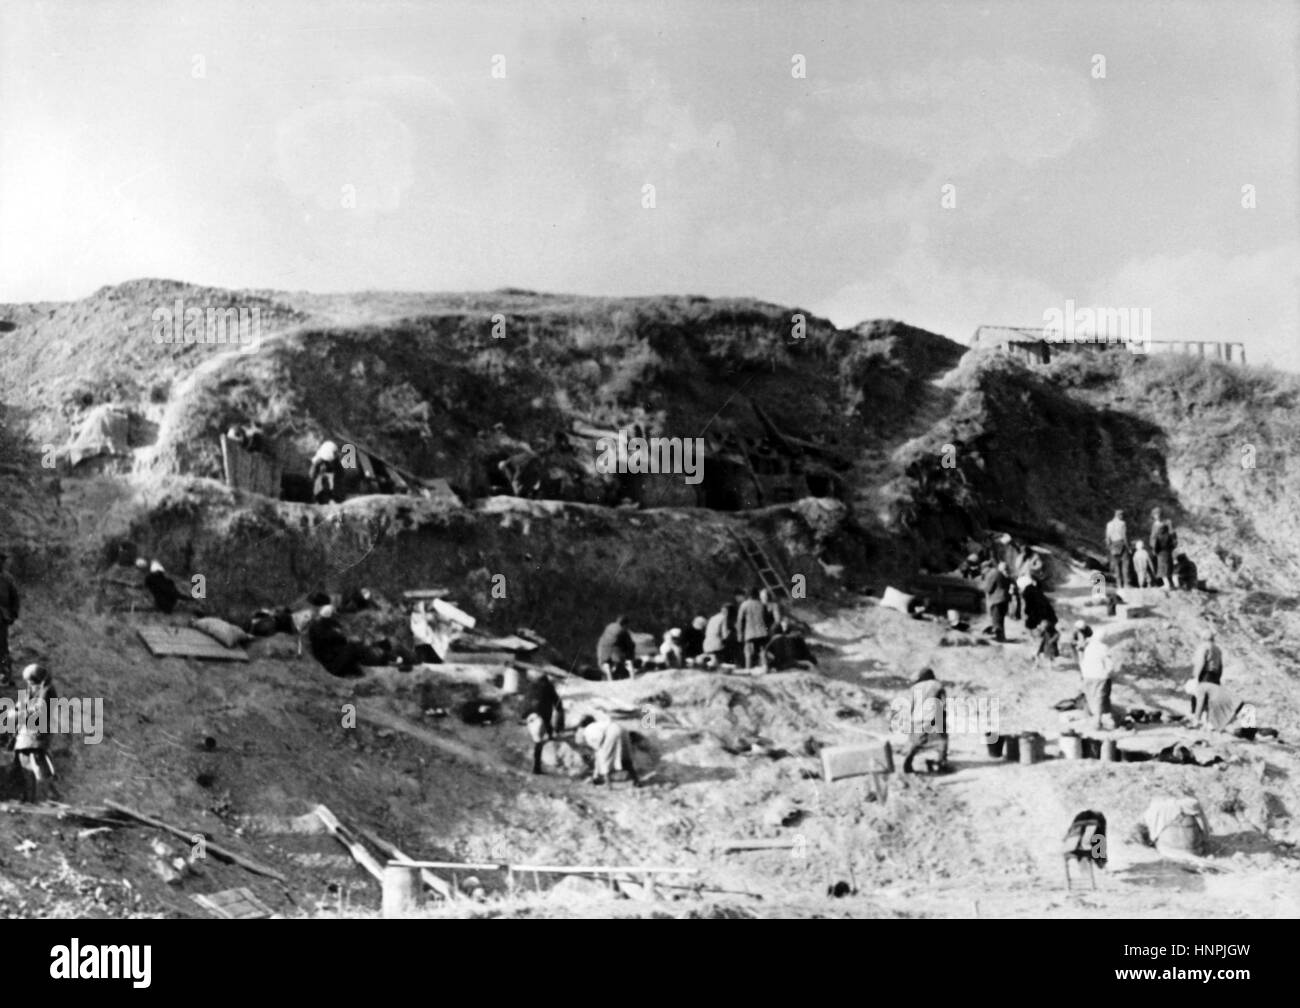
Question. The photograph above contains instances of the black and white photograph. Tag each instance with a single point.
(651, 460)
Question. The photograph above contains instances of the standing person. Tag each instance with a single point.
(717, 635)
(32, 743)
(543, 713)
(1143, 565)
(927, 702)
(9, 604)
(325, 472)
(1163, 543)
(615, 649)
(997, 593)
(751, 626)
(613, 749)
(775, 611)
(1097, 670)
(1207, 663)
(1079, 640)
(1117, 547)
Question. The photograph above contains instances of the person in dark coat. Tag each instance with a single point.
(543, 713)
(997, 596)
(1163, 543)
(787, 649)
(164, 591)
(330, 646)
(615, 649)
(9, 605)
(693, 638)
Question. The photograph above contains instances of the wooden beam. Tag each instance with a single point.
(549, 869)
(343, 835)
(221, 853)
(440, 886)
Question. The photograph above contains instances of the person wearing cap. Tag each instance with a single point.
(32, 741)
(670, 650)
(325, 472)
(1207, 662)
(9, 605)
(543, 713)
(330, 646)
(1117, 548)
(612, 746)
(927, 719)
(156, 582)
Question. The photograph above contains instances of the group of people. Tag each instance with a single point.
(752, 631)
(1137, 566)
(544, 718)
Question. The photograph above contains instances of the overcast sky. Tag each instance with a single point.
(342, 146)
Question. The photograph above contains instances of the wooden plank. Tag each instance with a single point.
(234, 904)
(748, 845)
(549, 869)
(344, 836)
(450, 613)
(221, 853)
(425, 594)
(186, 642)
(857, 760)
(479, 657)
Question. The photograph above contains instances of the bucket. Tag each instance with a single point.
(1071, 746)
(994, 743)
(1031, 748)
(1091, 748)
(1011, 748)
(510, 680)
(1110, 751)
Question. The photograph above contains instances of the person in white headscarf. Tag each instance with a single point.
(325, 472)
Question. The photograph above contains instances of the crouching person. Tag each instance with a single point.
(31, 746)
(928, 727)
(612, 746)
(330, 645)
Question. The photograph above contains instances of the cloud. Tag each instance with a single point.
(324, 149)
(1251, 298)
(958, 117)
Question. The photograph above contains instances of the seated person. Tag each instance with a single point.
(787, 649)
(330, 645)
(670, 651)
(1176, 827)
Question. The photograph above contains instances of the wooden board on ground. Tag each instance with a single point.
(344, 836)
(186, 642)
(857, 760)
(479, 657)
(233, 904)
(482, 643)
(425, 594)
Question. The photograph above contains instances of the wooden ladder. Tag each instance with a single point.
(768, 576)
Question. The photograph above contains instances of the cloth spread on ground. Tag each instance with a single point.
(105, 431)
